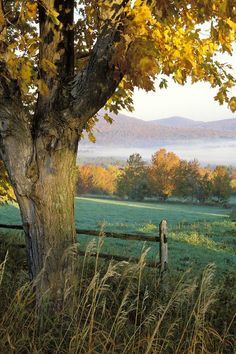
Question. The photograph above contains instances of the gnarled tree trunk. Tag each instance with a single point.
(42, 172)
(48, 218)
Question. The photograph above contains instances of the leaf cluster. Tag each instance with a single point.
(155, 39)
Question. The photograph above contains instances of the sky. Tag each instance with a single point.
(190, 101)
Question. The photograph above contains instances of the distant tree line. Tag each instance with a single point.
(166, 176)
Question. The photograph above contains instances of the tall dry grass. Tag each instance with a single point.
(115, 308)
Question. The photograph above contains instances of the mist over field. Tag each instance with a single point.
(211, 143)
(217, 152)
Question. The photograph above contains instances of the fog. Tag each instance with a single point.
(211, 152)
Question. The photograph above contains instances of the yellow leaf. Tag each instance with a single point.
(43, 88)
(148, 65)
(25, 72)
(32, 9)
(91, 137)
(53, 14)
(232, 24)
(2, 21)
(178, 77)
(49, 67)
(232, 104)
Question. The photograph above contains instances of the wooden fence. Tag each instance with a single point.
(162, 255)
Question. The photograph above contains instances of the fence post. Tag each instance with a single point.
(163, 247)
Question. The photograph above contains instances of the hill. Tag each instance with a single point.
(133, 132)
(178, 122)
(223, 125)
(181, 122)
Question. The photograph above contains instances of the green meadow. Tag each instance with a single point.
(198, 235)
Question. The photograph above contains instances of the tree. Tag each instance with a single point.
(57, 72)
(84, 179)
(205, 185)
(187, 179)
(133, 182)
(97, 179)
(221, 183)
(162, 173)
(233, 181)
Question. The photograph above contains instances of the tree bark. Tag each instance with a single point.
(42, 172)
(48, 220)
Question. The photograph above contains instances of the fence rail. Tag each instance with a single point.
(161, 238)
(122, 236)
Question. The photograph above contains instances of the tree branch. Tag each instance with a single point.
(57, 39)
(83, 55)
(92, 87)
(15, 133)
(16, 146)
(56, 55)
(8, 86)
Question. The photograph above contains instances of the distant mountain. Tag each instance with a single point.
(224, 124)
(181, 122)
(127, 131)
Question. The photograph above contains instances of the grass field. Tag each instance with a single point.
(117, 307)
(198, 235)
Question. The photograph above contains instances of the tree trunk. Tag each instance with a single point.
(42, 171)
(48, 219)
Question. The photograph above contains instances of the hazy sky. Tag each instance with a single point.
(190, 101)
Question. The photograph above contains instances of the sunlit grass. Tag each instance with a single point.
(91, 212)
(197, 234)
(117, 308)
(192, 209)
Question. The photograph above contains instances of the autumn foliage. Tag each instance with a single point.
(166, 176)
(233, 181)
(97, 179)
(156, 39)
(162, 173)
(6, 190)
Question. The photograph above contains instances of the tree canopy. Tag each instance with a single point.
(162, 173)
(137, 40)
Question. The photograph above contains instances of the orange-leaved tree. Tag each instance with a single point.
(162, 173)
(61, 61)
(97, 179)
